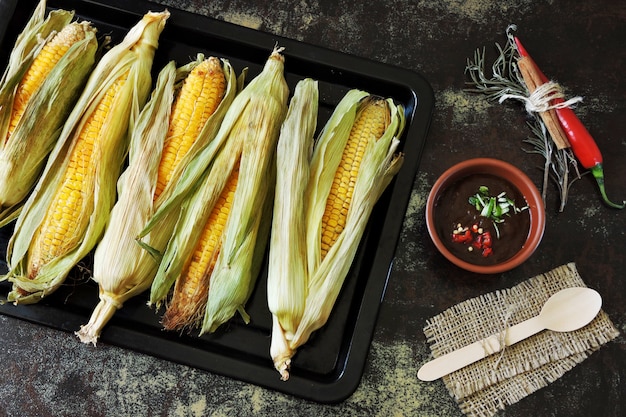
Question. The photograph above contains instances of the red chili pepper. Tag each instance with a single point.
(582, 143)
(478, 242)
(487, 240)
(462, 237)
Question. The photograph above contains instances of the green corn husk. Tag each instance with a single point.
(325, 277)
(133, 55)
(122, 268)
(287, 277)
(23, 153)
(249, 134)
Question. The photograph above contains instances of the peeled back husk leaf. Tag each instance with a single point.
(133, 56)
(287, 277)
(23, 154)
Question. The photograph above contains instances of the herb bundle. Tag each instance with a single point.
(505, 82)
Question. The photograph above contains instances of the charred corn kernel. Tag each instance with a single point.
(371, 123)
(42, 65)
(358, 142)
(67, 215)
(201, 94)
(65, 218)
(186, 308)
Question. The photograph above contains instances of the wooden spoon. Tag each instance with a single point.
(565, 311)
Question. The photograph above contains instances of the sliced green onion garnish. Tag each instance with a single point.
(494, 208)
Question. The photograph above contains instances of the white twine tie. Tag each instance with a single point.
(539, 100)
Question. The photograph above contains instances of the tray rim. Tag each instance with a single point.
(350, 376)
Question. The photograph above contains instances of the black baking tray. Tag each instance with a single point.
(329, 367)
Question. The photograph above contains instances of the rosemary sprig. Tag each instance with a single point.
(557, 162)
(506, 79)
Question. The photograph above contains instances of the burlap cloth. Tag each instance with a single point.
(483, 388)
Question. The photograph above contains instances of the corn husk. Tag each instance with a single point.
(133, 55)
(23, 154)
(248, 134)
(287, 277)
(325, 277)
(122, 268)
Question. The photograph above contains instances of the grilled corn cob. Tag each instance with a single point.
(353, 162)
(65, 216)
(122, 268)
(34, 106)
(42, 66)
(188, 302)
(248, 134)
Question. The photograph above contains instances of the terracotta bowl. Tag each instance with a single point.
(515, 178)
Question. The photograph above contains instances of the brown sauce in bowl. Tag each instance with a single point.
(452, 208)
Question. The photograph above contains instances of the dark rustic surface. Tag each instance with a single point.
(580, 44)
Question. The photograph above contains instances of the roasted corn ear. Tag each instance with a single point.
(181, 118)
(354, 159)
(220, 276)
(36, 100)
(66, 214)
